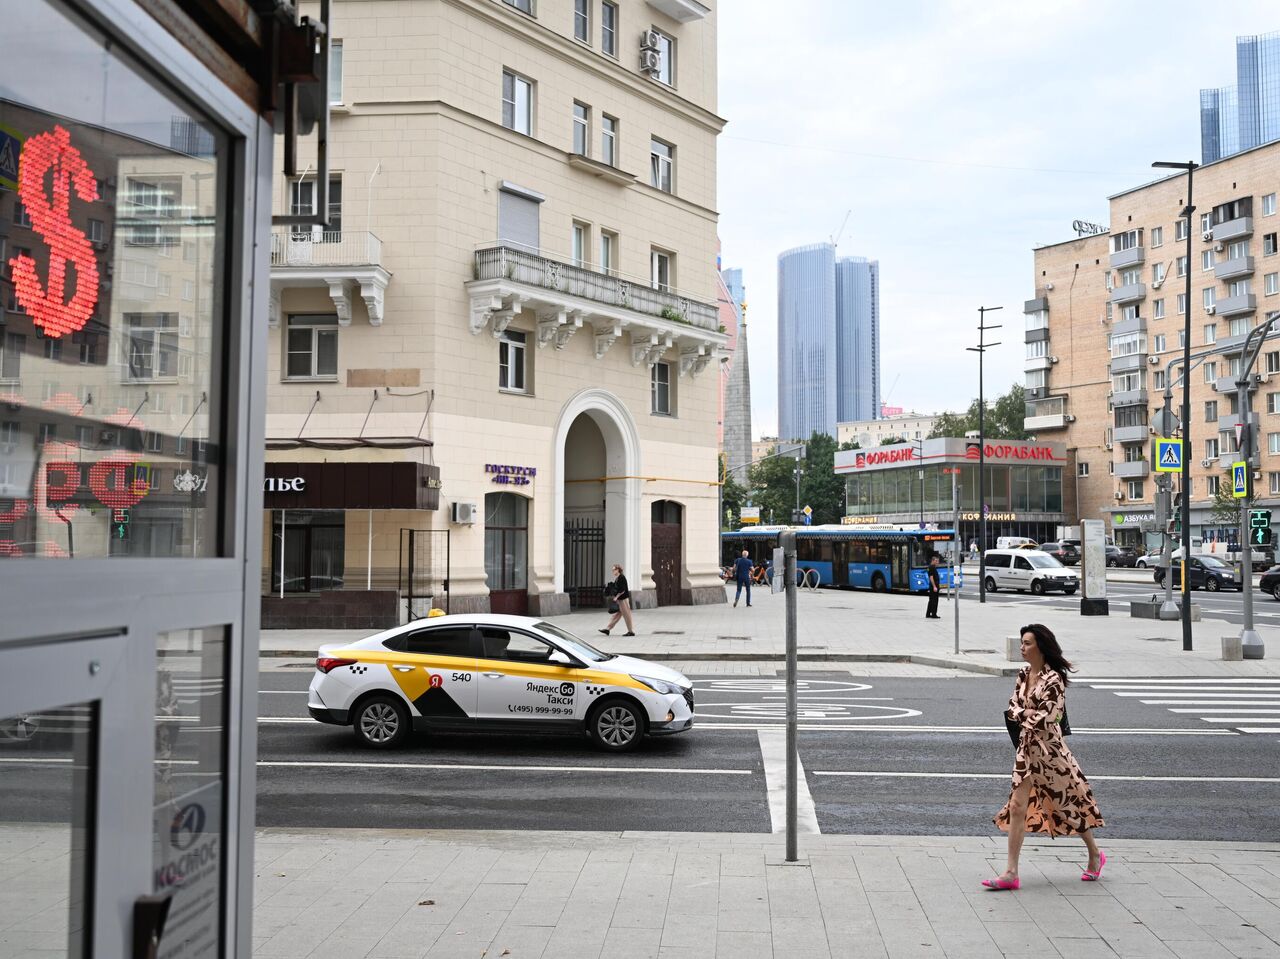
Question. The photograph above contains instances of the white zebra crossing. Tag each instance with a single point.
(1245, 705)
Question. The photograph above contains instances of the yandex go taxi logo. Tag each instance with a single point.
(903, 454)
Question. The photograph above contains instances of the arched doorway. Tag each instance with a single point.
(666, 537)
(506, 552)
(597, 469)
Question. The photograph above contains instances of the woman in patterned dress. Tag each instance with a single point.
(1050, 794)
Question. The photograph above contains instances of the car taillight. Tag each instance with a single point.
(328, 663)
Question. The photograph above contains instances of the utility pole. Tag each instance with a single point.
(920, 476)
(980, 349)
(1190, 167)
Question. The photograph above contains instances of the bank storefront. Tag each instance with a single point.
(910, 483)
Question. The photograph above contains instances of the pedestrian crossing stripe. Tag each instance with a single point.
(1247, 705)
(1168, 456)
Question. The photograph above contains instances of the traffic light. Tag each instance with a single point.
(1260, 527)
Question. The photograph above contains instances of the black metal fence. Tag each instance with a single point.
(584, 573)
(424, 572)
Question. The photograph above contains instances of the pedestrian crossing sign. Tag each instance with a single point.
(1168, 456)
(1239, 480)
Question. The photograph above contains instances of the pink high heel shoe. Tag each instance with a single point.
(1088, 876)
(1001, 883)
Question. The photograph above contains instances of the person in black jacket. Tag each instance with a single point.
(621, 596)
(935, 588)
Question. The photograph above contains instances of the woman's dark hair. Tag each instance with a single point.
(1050, 650)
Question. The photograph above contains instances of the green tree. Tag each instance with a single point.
(1003, 419)
(772, 483)
(1226, 508)
(772, 487)
(891, 440)
(733, 497)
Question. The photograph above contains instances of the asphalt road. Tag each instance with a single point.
(887, 756)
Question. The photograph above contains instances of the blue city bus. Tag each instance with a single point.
(850, 557)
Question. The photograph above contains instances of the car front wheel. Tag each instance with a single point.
(1037, 587)
(1275, 592)
(616, 725)
(1141, 564)
(991, 585)
(1211, 585)
(1070, 591)
(381, 722)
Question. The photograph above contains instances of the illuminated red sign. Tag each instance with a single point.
(904, 454)
(1009, 452)
(50, 157)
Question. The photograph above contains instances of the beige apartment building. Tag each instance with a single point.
(494, 374)
(1108, 316)
(867, 433)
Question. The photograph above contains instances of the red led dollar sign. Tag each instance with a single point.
(47, 152)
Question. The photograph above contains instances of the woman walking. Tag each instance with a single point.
(621, 596)
(1050, 793)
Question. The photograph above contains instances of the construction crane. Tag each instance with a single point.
(835, 240)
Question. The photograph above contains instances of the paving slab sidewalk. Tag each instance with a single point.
(845, 627)
(381, 894)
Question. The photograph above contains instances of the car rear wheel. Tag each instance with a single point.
(1211, 585)
(1112, 563)
(381, 722)
(1037, 587)
(991, 584)
(1275, 592)
(1141, 564)
(616, 725)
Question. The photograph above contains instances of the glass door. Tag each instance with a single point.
(901, 569)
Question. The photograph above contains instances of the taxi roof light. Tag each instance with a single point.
(328, 663)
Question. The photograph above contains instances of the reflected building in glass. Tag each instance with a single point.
(828, 340)
(1245, 114)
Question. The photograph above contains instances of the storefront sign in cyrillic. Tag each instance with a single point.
(506, 475)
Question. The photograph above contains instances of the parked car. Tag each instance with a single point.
(1064, 553)
(1270, 582)
(1015, 542)
(1028, 569)
(1122, 556)
(1206, 572)
(1156, 558)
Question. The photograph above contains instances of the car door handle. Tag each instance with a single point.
(495, 675)
(403, 669)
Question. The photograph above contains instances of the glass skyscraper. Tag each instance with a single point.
(1245, 114)
(828, 340)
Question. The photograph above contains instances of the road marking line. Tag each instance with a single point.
(1237, 719)
(1135, 680)
(950, 775)
(1267, 730)
(1219, 692)
(1217, 705)
(508, 768)
(773, 749)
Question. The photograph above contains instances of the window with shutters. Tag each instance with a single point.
(518, 220)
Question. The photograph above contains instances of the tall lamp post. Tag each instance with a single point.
(1190, 167)
(980, 349)
(920, 476)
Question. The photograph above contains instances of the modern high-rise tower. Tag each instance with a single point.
(828, 340)
(1245, 114)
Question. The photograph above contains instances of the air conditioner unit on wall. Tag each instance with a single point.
(650, 62)
(1109, 445)
(1211, 310)
(1217, 248)
(1070, 417)
(463, 514)
(1153, 360)
(1207, 235)
(1048, 286)
(1206, 463)
(1119, 495)
(1156, 284)
(649, 40)
(1053, 359)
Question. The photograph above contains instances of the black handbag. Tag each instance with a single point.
(1015, 728)
(613, 607)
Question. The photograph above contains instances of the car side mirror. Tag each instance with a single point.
(559, 657)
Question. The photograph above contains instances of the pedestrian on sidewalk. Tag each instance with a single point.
(1050, 794)
(935, 588)
(742, 575)
(622, 599)
(973, 549)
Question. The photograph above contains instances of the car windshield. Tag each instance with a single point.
(1045, 562)
(573, 644)
(1211, 561)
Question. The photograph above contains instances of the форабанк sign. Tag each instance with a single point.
(950, 450)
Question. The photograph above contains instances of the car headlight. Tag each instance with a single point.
(660, 686)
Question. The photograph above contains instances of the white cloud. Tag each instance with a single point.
(960, 135)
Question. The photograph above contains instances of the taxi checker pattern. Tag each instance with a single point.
(385, 689)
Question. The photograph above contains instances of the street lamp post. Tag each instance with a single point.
(980, 349)
(920, 476)
(1190, 167)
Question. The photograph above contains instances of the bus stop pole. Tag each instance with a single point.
(788, 543)
(956, 562)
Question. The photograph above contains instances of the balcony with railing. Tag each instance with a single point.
(1233, 229)
(1130, 257)
(1132, 469)
(1129, 293)
(1235, 305)
(1230, 269)
(1131, 434)
(347, 262)
(1049, 413)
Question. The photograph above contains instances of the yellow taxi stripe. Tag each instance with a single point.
(553, 672)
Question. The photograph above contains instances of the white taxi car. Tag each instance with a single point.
(492, 672)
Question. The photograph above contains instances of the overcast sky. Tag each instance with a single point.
(961, 135)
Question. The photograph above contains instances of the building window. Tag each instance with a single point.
(1210, 332)
(1180, 229)
(335, 73)
(1130, 312)
(1211, 411)
(1135, 489)
(517, 103)
(152, 345)
(1130, 276)
(524, 6)
(1238, 250)
(608, 140)
(1157, 309)
(12, 346)
(1082, 469)
(97, 232)
(1127, 344)
(1268, 244)
(1206, 259)
(315, 550)
(312, 346)
(1157, 236)
(1129, 240)
(1274, 480)
(151, 202)
(662, 159)
(660, 389)
(1211, 485)
(1211, 449)
(609, 28)
(511, 360)
(302, 202)
(1037, 349)
(1238, 287)
(20, 216)
(1157, 272)
(1182, 304)
(1271, 283)
(1269, 204)
(1211, 371)
(1157, 343)
(1273, 361)
(1182, 339)
(1035, 379)
(1273, 442)
(608, 251)
(581, 128)
(582, 20)
(1182, 266)
(666, 58)
(1127, 381)
(660, 270)
(1239, 325)
(1158, 380)
(581, 242)
(1206, 222)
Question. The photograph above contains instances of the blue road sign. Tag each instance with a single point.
(1168, 456)
(1239, 480)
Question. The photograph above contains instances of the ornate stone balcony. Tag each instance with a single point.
(348, 263)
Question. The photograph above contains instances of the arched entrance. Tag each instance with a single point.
(666, 538)
(506, 552)
(597, 514)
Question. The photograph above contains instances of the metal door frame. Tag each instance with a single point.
(58, 606)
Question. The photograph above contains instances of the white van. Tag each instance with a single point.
(1015, 542)
(1028, 569)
